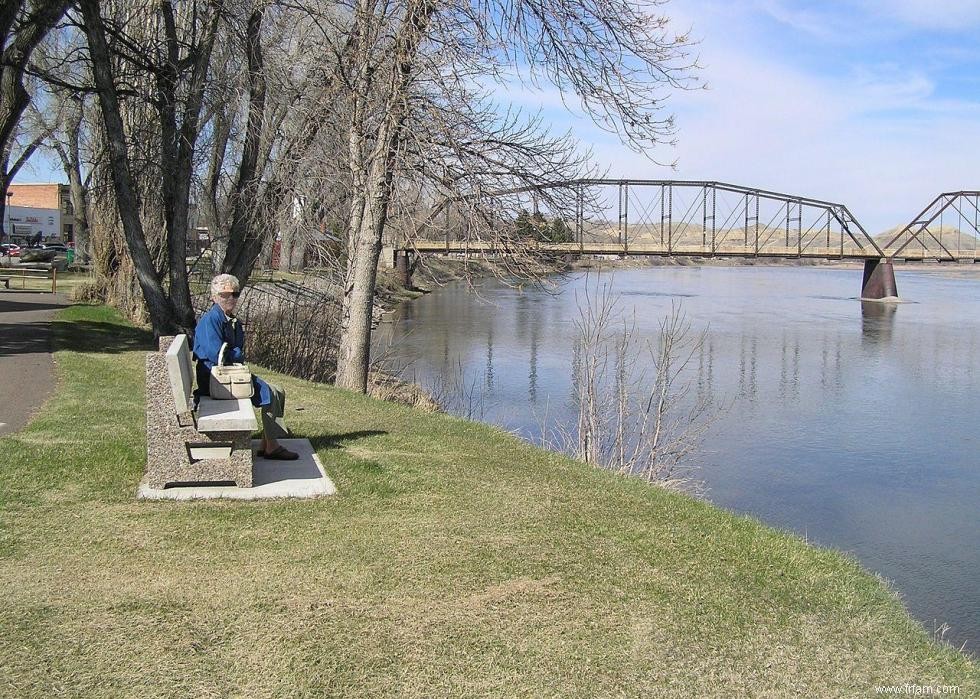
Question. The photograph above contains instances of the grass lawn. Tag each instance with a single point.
(456, 560)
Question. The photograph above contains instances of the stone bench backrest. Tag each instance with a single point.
(181, 373)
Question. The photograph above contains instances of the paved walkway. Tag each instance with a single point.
(26, 365)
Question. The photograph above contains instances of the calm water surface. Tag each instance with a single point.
(854, 425)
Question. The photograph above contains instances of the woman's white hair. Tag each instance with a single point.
(223, 280)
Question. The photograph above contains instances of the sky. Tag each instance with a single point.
(871, 103)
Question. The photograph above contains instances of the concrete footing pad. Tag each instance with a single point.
(303, 478)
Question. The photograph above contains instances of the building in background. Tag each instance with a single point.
(23, 224)
(30, 209)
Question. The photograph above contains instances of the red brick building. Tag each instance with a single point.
(46, 196)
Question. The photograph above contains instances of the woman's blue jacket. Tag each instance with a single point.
(214, 329)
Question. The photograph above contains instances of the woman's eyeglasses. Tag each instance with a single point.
(229, 294)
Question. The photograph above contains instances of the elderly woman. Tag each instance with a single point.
(219, 325)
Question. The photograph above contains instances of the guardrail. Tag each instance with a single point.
(8, 274)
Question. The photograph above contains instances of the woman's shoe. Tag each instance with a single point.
(280, 453)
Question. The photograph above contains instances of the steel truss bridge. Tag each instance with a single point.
(672, 218)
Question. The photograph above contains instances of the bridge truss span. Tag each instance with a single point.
(689, 218)
(947, 230)
(717, 219)
(667, 218)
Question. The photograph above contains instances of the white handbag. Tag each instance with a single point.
(230, 381)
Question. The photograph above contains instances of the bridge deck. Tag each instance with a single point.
(663, 250)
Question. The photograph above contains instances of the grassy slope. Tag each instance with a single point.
(457, 560)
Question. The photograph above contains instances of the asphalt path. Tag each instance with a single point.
(27, 376)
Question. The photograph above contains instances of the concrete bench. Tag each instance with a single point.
(211, 444)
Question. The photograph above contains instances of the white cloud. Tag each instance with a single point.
(875, 138)
(844, 19)
(879, 131)
(822, 25)
(884, 88)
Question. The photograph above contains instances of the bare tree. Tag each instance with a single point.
(176, 63)
(69, 146)
(637, 412)
(410, 59)
(204, 105)
(271, 140)
(23, 24)
(61, 117)
(154, 75)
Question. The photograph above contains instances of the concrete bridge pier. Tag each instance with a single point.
(879, 280)
(400, 261)
(404, 267)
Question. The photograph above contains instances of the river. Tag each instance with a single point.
(853, 424)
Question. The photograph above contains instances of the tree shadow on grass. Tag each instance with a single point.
(100, 337)
(337, 441)
(360, 476)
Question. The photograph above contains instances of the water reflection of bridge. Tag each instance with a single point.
(670, 218)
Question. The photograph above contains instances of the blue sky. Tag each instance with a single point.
(872, 103)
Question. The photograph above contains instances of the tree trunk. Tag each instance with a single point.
(264, 260)
(297, 256)
(178, 145)
(209, 203)
(354, 352)
(71, 161)
(79, 205)
(160, 309)
(243, 242)
(292, 247)
(286, 248)
(368, 218)
(369, 212)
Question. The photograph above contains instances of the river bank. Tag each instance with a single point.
(849, 423)
(456, 560)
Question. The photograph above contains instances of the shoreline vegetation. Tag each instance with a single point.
(456, 560)
(440, 271)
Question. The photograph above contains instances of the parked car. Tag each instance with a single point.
(9, 250)
(57, 247)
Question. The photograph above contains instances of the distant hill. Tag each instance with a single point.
(961, 243)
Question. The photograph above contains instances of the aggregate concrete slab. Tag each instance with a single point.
(226, 415)
(303, 478)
